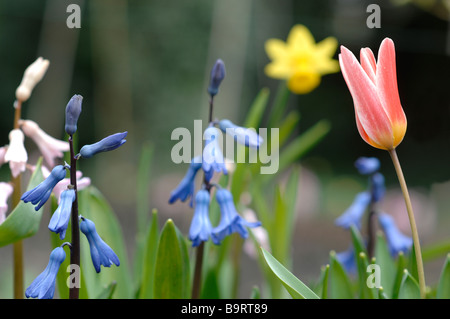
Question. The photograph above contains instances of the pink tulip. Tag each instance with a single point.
(379, 115)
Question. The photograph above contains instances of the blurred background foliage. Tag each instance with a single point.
(143, 66)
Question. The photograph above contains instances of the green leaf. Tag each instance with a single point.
(386, 263)
(358, 241)
(172, 265)
(94, 206)
(321, 288)
(364, 291)
(409, 288)
(401, 265)
(108, 292)
(255, 294)
(340, 285)
(23, 221)
(257, 109)
(279, 105)
(296, 288)
(149, 260)
(382, 294)
(443, 289)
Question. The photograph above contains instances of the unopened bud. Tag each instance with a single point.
(73, 110)
(217, 75)
(32, 75)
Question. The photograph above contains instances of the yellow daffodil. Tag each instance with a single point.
(300, 60)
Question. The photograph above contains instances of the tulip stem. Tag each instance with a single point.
(415, 234)
(74, 290)
(18, 245)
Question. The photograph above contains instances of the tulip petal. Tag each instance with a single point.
(368, 63)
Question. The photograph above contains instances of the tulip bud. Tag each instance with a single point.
(32, 75)
(217, 75)
(73, 110)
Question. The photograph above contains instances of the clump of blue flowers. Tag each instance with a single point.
(43, 286)
(368, 201)
(212, 162)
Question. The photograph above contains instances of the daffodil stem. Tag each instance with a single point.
(74, 290)
(412, 221)
(18, 245)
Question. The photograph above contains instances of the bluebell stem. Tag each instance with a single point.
(347, 259)
(367, 165)
(230, 220)
(101, 253)
(107, 144)
(186, 187)
(353, 214)
(242, 135)
(377, 187)
(73, 110)
(217, 75)
(43, 287)
(397, 241)
(213, 160)
(201, 228)
(41, 193)
(60, 219)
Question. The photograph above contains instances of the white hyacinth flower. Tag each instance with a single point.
(16, 154)
(32, 75)
(6, 190)
(50, 147)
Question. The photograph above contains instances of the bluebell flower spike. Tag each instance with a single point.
(217, 76)
(354, 213)
(186, 187)
(367, 165)
(73, 111)
(201, 228)
(230, 220)
(60, 218)
(40, 194)
(212, 160)
(107, 144)
(397, 241)
(378, 188)
(43, 287)
(101, 253)
(242, 135)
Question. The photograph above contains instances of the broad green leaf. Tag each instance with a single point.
(210, 288)
(94, 206)
(257, 109)
(172, 265)
(340, 285)
(443, 289)
(409, 288)
(148, 267)
(296, 288)
(23, 221)
(386, 263)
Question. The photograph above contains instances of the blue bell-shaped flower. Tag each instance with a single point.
(213, 160)
(201, 227)
(43, 287)
(186, 187)
(242, 135)
(353, 214)
(397, 242)
(60, 218)
(367, 165)
(107, 144)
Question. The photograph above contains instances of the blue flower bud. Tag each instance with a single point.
(60, 218)
(242, 135)
(217, 75)
(367, 165)
(213, 160)
(201, 227)
(43, 287)
(377, 187)
(107, 144)
(73, 110)
(101, 253)
(353, 214)
(397, 242)
(185, 188)
(230, 220)
(41, 193)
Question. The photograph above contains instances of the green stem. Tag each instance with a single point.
(412, 222)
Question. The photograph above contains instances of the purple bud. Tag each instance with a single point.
(217, 75)
(73, 110)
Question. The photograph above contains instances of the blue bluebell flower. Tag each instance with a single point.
(367, 165)
(347, 259)
(397, 241)
(242, 135)
(353, 214)
(201, 228)
(230, 220)
(41, 193)
(43, 287)
(186, 187)
(60, 218)
(213, 160)
(107, 144)
(217, 75)
(73, 110)
(101, 253)
(377, 187)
